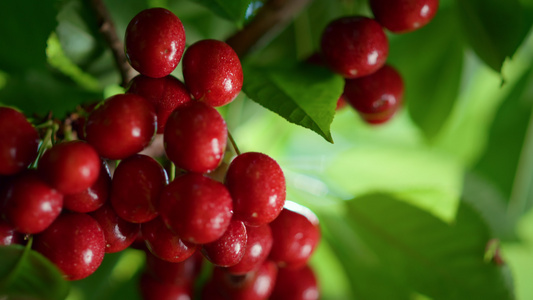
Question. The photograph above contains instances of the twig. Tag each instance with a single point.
(108, 31)
(270, 19)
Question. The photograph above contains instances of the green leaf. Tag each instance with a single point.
(24, 28)
(494, 28)
(304, 94)
(25, 273)
(234, 10)
(431, 80)
(397, 251)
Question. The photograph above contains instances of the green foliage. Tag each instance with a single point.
(232, 10)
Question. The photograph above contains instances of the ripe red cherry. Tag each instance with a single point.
(92, 198)
(70, 167)
(137, 183)
(152, 289)
(295, 236)
(164, 243)
(30, 204)
(257, 248)
(75, 243)
(255, 285)
(122, 126)
(179, 273)
(257, 186)
(196, 207)
(376, 97)
(19, 142)
(166, 94)
(118, 233)
(8, 235)
(229, 249)
(195, 137)
(154, 42)
(354, 46)
(212, 72)
(403, 16)
(296, 284)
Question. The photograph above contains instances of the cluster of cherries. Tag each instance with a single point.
(65, 197)
(357, 47)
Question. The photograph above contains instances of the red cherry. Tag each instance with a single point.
(229, 249)
(154, 42)
(118, 233)
(195, 137)
(75, 243)
(296, 284)
(70, 167)
(8, 235)
(257, 186)
(295, 236)
(197, 208)
(20, 141)
(30, 204)
(122, 126)
(376, 97)
(166, 94)
(257, 249)
(354, 46)
(403, 16)
(164, 243)
(212, 72)
(137, 183)
(178, 273)
(92, 198)
(255, 285)
(152, 289)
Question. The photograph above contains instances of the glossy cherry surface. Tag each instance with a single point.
(229, 249)
(376, 97)
(257, 249)
(164, 243)
(195, 137)
(31, 205)
(354, 46)
(152, 289)
(180, 273)
(75, 243)
(118, 233)
(122, 126)
(70, 167)
(401, 16)
(212, 71)
(92, 198)
(8, 234)
(257, 186)
(166, 94)
(255, 285)
(19, 141)
(296, 284)
(154, 42)
(197, 208)
(135, 188)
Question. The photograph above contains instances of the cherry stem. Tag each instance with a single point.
(233, 143)
(172, 174)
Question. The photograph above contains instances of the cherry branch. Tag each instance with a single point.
(107, 28)
(269, 21)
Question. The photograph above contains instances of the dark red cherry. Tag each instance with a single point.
(255, 285)
(92, 198)
(257, 249)
(154, 42)
(164, 243)
(8, 235)
(211, 292)
(212, 72)
(401, 16)
(229, 249)
(118, 233)
(179, 273)
(197, 208)
(19, 142)
(376, 97)
(166, 94)
(257, 186)
(195, 137)
(152, 289)
(122, 126)
(137, 183)
(31, 205)
(295, 234)
(75, 243)
(70, 167)
(354, 46)
(296, 284)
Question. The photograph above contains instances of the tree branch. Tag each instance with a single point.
(109, 32)
(271, 18)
